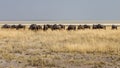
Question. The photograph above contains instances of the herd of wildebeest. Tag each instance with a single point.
(36, 27)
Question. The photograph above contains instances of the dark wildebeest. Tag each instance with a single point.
(94, 27)
(99, 26)
(6, 26)
(56, 27)
(62, 26)
(71, 27)
(49, 26)
(39, 27)
(45, 27)
(80, 27)
(13, 26)
(86, 26)
(33, 27)
(20, 27)
(114, 27)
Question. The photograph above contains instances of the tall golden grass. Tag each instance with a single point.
(27, 49)
(83, 41)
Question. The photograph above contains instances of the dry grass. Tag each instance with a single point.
(37, 48)
(86, 41)
(64, 41)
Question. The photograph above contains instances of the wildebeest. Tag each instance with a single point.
(98, 26)
(13, 26)
(33, 27)
(49, 26)
(39, 27)
(71, 27)
(95, 26)
(56, 27)
(45, 27)
(6, 26)
(80, 27)
(20, 27)
(86, 26)
(114, 27)
(62, 26)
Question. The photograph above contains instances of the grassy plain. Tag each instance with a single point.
(60, 49)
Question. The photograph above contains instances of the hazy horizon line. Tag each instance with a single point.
(109, 22)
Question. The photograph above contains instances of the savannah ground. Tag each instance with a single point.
(60, 49)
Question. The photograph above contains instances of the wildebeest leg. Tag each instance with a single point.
(24, 28)
(89, 27)
(17, 28)
(105, 28)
